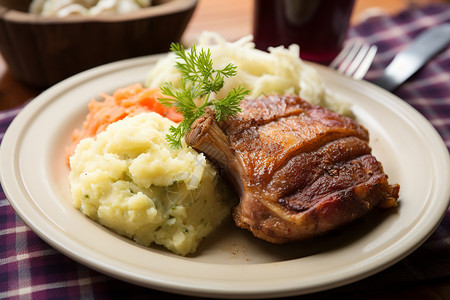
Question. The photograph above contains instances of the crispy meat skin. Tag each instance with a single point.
(300, 170)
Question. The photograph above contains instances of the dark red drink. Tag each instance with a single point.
(319, 27)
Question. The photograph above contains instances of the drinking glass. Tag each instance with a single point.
(319, 27)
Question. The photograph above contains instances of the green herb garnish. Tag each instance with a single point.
(199, 81)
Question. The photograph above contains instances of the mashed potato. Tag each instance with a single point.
(279, 71)
(130, 180)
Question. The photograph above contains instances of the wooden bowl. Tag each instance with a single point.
(42, 51)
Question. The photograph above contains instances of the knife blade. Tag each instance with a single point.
(409, 61)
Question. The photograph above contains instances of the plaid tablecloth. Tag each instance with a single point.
(31, 268)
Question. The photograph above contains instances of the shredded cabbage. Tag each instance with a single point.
(279, 71)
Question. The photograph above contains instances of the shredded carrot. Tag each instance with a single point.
(127, 101)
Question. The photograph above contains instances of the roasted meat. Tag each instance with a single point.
(300, 170)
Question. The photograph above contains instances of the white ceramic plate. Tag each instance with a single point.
(230, 263)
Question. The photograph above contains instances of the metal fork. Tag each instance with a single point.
(355, 58)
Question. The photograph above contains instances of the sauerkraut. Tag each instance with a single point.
(279, 71)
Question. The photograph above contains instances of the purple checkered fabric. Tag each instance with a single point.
(429, 89)
(29, 268)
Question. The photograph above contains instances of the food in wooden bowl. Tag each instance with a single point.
(64, 8)
(42, 51)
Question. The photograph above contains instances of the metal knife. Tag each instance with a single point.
(409, 61)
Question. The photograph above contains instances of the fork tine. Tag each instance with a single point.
(365, 64)
(352, 52)
(350, 57)
(355, 58)
(341, 56)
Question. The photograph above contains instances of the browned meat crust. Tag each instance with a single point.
(300, 170)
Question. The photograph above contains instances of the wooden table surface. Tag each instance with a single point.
(233, 19)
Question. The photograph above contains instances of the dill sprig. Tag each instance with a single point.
(199, 80)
